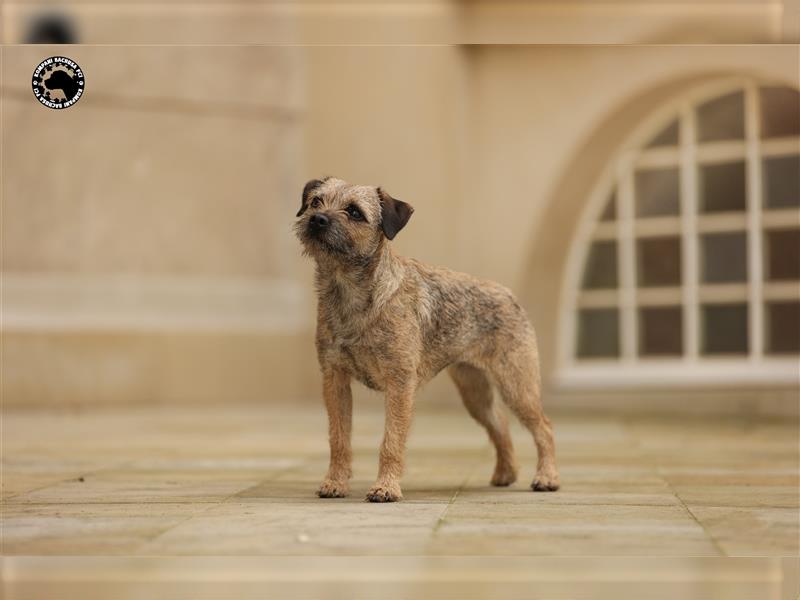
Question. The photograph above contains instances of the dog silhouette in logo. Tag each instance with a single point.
(61, 80)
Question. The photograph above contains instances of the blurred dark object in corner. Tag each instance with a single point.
(51, 28)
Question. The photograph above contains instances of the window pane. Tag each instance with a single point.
(656, 192)
(725, 329)
(780, 112)
(782, 254)
(783, 327)
(658, 261)
(610, 211)
(598, 333)
(721, 118)
(660, 331)
(724, 257)
(722, 187)
(601, 266)
(782, 182)
(666, 137)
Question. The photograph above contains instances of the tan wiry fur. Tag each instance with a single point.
(393, 323)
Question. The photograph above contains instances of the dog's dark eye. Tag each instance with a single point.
(315, 203)
(354, 213)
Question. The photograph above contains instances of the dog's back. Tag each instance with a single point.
(463, 318)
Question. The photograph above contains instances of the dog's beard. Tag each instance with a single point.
(329, 242)
(333, 244)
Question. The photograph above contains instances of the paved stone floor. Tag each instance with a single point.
(183, 483)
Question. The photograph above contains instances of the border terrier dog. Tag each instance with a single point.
(392, 323)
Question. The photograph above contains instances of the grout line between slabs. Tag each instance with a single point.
(708, 534)
(658, 471)
(224, 500)
(440, 520)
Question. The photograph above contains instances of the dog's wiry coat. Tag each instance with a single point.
(393, 323)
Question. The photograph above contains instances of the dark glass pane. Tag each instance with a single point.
(721, 118)
(660, 331)
(724, 257)
(598, 332)
(782, 182)
(601, 266)
(783, 327)
(666, 137)
(610, 211)
(657, 192)
(725, 329)
(722, 187)
(782, 254)
(780, 112)
(658, 261)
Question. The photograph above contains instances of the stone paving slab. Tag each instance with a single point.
(740, 531)
(93, 529)
(131, 486)
(337, 526)
(537, 528)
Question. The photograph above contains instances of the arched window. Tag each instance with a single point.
(686, 265)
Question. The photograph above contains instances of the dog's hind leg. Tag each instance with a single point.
(516, 374)
(476, 393)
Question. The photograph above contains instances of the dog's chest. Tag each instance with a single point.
(354, 337)
(361, 360)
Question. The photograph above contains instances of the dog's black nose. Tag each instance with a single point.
(319, 221)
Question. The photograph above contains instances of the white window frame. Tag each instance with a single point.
(689, 369)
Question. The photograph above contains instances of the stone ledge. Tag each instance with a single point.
(71, 368)
(55, 302)
(72, 340)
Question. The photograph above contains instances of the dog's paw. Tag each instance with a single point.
(504, 476)
(545, 482)
(384, 493)
(333, 489)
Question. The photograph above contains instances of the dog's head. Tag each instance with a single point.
(346, 221)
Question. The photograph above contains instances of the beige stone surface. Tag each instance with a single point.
(181, 169)
(240, 480)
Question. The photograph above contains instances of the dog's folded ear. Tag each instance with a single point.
(307, 189)
(394, 214)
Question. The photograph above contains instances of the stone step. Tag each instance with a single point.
(70, 340)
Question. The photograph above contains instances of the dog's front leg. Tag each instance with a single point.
(339, 404)
(399, 407)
